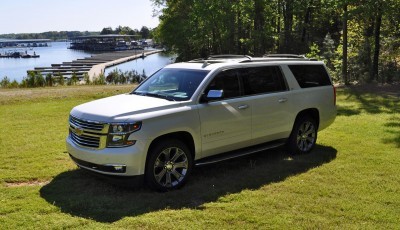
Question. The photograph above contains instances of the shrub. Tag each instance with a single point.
(14, 84)
(86, 79)
(99, 80)
(74, 79)
(49, 79)
(5, 82)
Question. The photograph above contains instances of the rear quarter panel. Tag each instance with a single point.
(321, 98)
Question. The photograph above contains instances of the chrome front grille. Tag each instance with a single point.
(90, 125)
(89, 134)
(86, 141)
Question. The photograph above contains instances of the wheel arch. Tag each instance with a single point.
(312, 112)
(183, 136)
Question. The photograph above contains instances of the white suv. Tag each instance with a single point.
(200, 112)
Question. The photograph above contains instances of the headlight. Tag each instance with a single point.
(119, 134)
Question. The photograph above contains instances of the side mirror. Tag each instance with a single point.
(214, 95)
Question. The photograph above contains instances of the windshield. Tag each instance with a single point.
(172, 84)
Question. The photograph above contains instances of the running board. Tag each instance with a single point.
(240, 152)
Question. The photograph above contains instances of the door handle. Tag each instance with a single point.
(282, 100)
(243, 107)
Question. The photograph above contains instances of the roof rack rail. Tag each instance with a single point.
(285, 56)
(221, 58)
(228, 56)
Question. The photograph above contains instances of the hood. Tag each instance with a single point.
(120, 108)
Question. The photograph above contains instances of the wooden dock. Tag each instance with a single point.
(94, 65)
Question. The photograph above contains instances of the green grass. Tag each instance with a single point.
(350, 181)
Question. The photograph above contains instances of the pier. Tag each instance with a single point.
(6, 43)
(94, 65)
(109, 42)
(16, 54)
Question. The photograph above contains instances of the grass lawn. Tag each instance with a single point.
(350, 181)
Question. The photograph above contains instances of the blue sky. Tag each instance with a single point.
(35, 16)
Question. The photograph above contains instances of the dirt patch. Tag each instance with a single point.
(26, 183)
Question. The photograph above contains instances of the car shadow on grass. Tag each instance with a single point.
(84, 195)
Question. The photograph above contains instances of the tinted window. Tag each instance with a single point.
(310, 75)
(228, 82)
(259, 80)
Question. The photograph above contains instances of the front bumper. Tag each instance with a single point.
(127, 161)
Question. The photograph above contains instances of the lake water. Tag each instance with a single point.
(58, 52)
(148, 65)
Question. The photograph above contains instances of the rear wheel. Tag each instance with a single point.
(169, 165)
(304, 135)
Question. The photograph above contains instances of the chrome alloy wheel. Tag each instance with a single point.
(170, 167)
(306, 136)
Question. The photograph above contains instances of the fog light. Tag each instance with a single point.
(118, 168)
(117, 138)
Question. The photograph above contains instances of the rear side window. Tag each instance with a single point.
(258, 80)
(310, 75)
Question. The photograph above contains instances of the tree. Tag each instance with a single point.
(5, 82)
(344, 64)
(49, 79)
(107, 30)
(359, 32)
(144, 32)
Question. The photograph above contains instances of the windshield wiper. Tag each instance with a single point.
(163, 96)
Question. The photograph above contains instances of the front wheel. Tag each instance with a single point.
(304, 135)
(169, 165)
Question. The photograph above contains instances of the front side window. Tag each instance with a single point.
(172, 84)
(228, 82)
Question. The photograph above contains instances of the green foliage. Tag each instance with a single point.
(60, 79)
(314, 52)
(118, 77)
(53, 35)
(196, 29)
(144, 32)
(14, 84)
(34, 79)
(5, 82)
(99, 80)
(49, 79)
(74, 79)
(86, 79)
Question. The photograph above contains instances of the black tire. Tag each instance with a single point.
(304, 136)
(169, 165)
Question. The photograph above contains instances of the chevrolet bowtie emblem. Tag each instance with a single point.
(78, 131)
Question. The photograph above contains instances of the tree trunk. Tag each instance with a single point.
(288, 24)
(259, 21)
(377, 32)
(239, 33)
(344, 61)
(306, 24)
(278, 26)
(368, 33)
